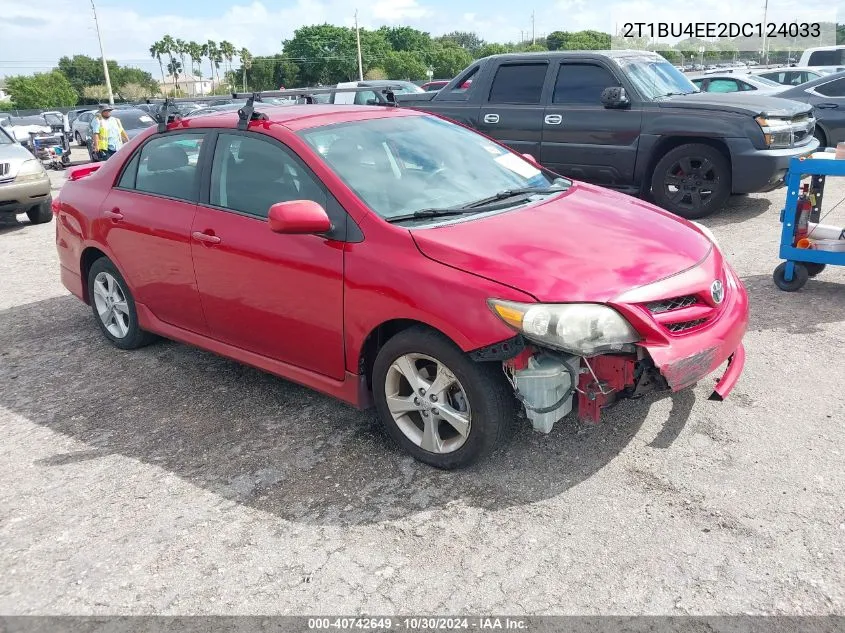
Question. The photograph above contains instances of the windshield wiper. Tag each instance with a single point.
(511, 193)
(678, 94)
(430, 213)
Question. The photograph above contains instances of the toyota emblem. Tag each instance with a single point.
(717, 291)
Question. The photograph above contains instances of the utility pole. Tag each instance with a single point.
(358, 39)
(533, 38)
(765, 33)
(102, 54)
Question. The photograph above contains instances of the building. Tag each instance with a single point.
(4, 96)
(190, 85)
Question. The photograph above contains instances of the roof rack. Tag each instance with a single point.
(385, 95)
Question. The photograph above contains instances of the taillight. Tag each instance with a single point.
(55, 205)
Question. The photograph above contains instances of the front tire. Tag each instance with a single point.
(692, 181)
(799, 277)
(41, 213)
(114, 307)
(437, 404)
(78, 138)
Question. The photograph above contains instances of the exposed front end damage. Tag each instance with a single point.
(689, 326)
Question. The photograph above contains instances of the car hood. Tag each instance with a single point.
(740, 103)
(587, 244)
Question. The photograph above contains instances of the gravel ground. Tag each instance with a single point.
(168, 480)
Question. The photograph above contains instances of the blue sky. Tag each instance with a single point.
(37, 32)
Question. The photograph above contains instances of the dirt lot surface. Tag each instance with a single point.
(168, 480)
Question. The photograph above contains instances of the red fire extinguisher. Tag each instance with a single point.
(802, 225)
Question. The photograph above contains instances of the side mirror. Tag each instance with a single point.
(615, 97)
(299, 217)
(530, 158)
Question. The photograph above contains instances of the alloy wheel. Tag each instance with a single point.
(111, 304)
(428, 403)
(691, 182)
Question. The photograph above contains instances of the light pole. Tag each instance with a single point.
(102, 55)
(765, 33)
(429, 73)
(358, 40)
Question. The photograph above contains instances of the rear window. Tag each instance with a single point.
(835, 88)
(826, 58)
(518, 83)
(134, 119)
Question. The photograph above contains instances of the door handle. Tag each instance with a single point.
(205, 238)
(114, 214)
(553, 119)
(491, 118)
(827, 106)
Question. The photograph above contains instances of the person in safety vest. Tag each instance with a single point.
(108, 133)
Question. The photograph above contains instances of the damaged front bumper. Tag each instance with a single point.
(549, 383)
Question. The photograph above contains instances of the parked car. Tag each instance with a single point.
(366, 97)
(730, 82)
(19, 127)
(823, 56)
(827, 97)
(133, 120)
(630, 121)
(24, 184)
(81, 126)
(390, 257)
(72, 115)
(434, 85)
(791, 76)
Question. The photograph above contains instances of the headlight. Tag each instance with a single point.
(578, 328)
(778, 133)
(708, 233)
(30, 170)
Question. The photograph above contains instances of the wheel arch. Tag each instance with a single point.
(382, 333)
(667, 143)
(89, 255)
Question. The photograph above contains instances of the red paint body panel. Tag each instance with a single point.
(302, 307)
(532, 249)
(276, 295)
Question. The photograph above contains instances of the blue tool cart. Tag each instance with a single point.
(802, 263)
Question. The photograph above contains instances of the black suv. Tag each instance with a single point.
(631, 121)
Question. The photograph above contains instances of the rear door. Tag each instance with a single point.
(828, 101)
(513, 110)
(582, 138)
(146, 224)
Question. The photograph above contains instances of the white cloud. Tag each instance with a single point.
(398, 11)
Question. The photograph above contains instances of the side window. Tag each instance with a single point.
(723, 85)
(698, 83)
(249, 175)
(518, 83)
(835, 88)
(167, 166)
(582, 83)
(465, 83)
(127, 179)
(363, 98)
(744, 85)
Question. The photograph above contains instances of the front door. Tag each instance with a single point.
(146, 224)
(583, 139)
(513, 111)
(280, 296)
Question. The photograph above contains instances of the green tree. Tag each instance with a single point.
(82, 71)
(448, 61)
(491, 49)
(268, 73)
(556, 40)
(227, 50)
(375, 73)
(246, 64)
(42, 90)
(404, 65)
(156, 52)
(467, 40)
(168, 47)
(181, 48)
(405, 38)
(210, 51)
(327, 54)
(195, 53)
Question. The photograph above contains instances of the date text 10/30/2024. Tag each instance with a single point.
(419, 624)
(720, 29)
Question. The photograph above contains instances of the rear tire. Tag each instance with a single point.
(813, 268)
(40, 214)
(78, 138)
(476, 391)
(820, 135)
(692, 181)
(113, 306)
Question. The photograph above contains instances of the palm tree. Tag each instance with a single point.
(173, 69)
(228, 52)
(195, 51)
(181, 48)
(246, 62)
(211, 53)
(155, 53)
(169, 46)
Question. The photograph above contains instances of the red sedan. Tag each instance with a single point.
(391, 258)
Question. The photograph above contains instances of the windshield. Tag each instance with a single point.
(400, 165)
(134, 119)
(4, 138)
(655, 78)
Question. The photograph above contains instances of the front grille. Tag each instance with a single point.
(5, 168)
(665, 305)
(683, 326)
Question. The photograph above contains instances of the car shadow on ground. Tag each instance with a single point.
(267, 443)
(9, 223)
(819, 303)
(737, 209)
